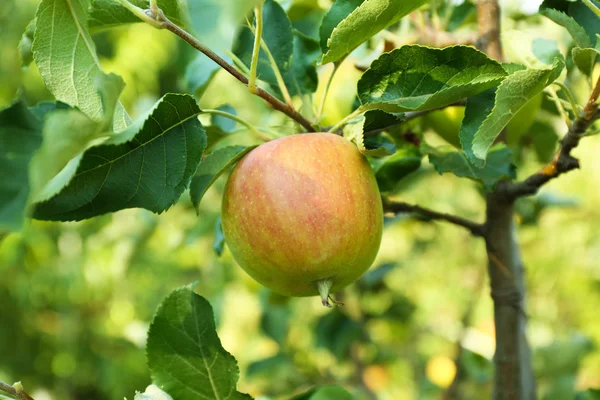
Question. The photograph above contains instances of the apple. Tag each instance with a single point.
(303, 214)
(446, 123)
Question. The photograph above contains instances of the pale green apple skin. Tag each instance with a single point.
(300, 209)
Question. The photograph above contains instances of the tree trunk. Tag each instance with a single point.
(514, 377)
(513, 374)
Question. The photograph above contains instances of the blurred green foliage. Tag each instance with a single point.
(76, 298)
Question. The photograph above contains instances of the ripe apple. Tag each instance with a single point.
(303, 215)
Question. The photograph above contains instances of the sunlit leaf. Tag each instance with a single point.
(66, 57)
(338, 11)
(148, 165)
(421, 78)
(68, 132)
(512, 95)
(365, 21)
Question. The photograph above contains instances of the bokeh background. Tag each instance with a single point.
(76, 298)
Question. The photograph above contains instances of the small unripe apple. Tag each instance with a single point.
(303, 215)
(446, 123)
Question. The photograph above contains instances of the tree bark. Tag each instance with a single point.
(513, 374)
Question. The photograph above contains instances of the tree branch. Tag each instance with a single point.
(15, 390)
(563, 160)
(397, 207)
(161, 21)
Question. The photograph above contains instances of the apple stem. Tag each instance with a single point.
(336, 302)
(324, 285)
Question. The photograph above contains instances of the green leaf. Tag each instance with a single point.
(184, 353)
(20, 137)
(415, 77)
(561, 18)
(368, 19)
(499, 165)
(66, 57)
(277, 35)
(355, 133)
(477, 109)
(325, 393)
(378, 120)
(460, 14)
(393, 169)
(584, 16)
(199, 73)
(338, 11)
(302, 77)
(212, 167)
(512, 95)
(104, 14)
(68, 132)
(148, 165)
(26, 43)
(585, 59)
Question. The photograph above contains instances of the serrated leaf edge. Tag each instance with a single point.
(235, 370)
(373, 105)
(478, 153)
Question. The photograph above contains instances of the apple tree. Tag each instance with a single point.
(303, 210)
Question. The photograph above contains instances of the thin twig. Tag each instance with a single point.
(563, 160)
(255, 49)
(241, 121)
(336, 66)
(162, 22)
(396, 207)
(15, 390)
